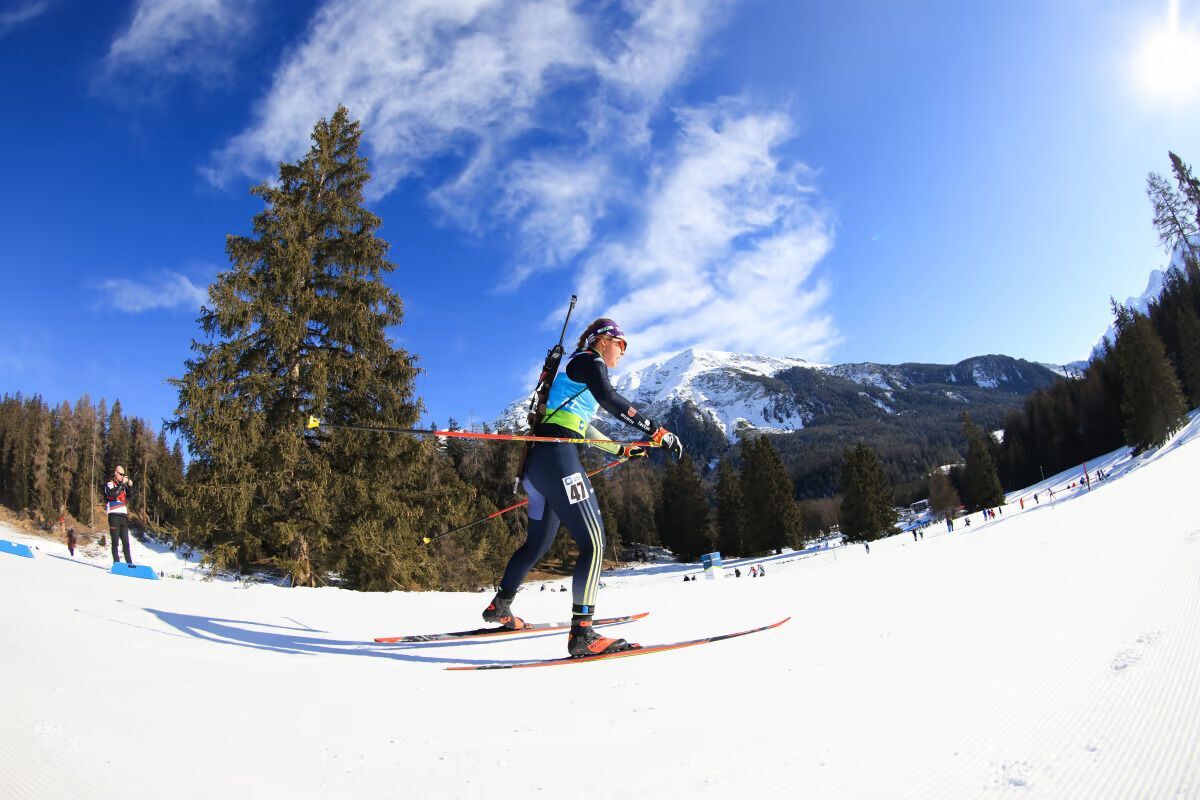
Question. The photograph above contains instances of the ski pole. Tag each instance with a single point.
(525, 502)
(313, 422)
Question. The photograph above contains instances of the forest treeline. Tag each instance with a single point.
(297, 327)
(1137, 389)
(54, 460)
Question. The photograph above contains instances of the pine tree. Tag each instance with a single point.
(298, 326)
(87, 468)
(866, 511)
(41, 494)
(1189, 190)
(1184, 328)
(118, 444)
(1174, 219)
(684, 524)
(64, 455)
(771, 516)
(981, 484)
(730, 511)
(1151, 401)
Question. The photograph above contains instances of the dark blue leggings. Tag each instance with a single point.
(559, 491)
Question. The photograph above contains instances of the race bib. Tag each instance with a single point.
(577, 488)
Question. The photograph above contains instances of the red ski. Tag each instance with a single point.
(481, 633)
(635, 651)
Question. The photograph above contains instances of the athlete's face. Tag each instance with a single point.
(611, 350)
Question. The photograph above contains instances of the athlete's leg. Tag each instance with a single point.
(543, 525)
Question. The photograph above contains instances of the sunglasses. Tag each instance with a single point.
(621, 342)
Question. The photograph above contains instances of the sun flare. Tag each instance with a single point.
(1167, 64)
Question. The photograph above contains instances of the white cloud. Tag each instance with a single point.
(546, 107)
(470, 80)
(725, 256)
(167, 39)
(167, 290)
(10, 20)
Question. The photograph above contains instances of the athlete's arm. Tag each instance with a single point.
(589, 368)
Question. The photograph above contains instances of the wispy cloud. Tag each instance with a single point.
(165, 290)
(10, 20)
(725, 255)
(168, 39)
(556, 118)
(470, 79)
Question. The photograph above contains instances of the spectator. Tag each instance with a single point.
(71, 541)
(115, 493)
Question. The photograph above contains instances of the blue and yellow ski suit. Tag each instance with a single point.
(556, 482)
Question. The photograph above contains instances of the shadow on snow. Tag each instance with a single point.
(293, 641)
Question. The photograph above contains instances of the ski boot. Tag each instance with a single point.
(584, 641)
(500, 610)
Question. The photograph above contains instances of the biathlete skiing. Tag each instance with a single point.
(558, 487)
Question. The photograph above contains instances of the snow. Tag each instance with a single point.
(722, 385)
(1049, 653)
(1141, 303)
(878, 403)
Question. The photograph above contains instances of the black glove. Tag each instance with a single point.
(669, 442)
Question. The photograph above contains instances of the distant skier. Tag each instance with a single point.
(558, 487)
(762, 571)
(737, 573)
(71, 541)
(115, 493)
(867, 545)
(1022, 503)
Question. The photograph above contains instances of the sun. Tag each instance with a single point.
(1167, 65)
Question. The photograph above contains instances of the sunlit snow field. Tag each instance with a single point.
(1054, 652)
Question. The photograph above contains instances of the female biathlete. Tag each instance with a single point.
(558, 487)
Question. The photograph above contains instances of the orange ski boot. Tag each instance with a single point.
(500, 610)
(584, 641)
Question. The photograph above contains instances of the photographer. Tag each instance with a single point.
(115, 493)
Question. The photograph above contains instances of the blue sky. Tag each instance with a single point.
(841, 182)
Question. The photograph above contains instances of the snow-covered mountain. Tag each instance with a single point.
(740, 392)
(1141, 304)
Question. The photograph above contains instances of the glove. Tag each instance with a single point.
(632, 451)
(669, 442)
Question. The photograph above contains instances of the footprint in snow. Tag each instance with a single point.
(1133, 654)
(1013, 776)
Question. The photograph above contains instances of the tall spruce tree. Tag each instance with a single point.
(1189, 189)
(684, 524)
(41, 497)
(866, 512)
(118, 446)
(730, 511)
(1151, 400)
(981, 484)
(297, 327)
(771, 515)
(1174, 219)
